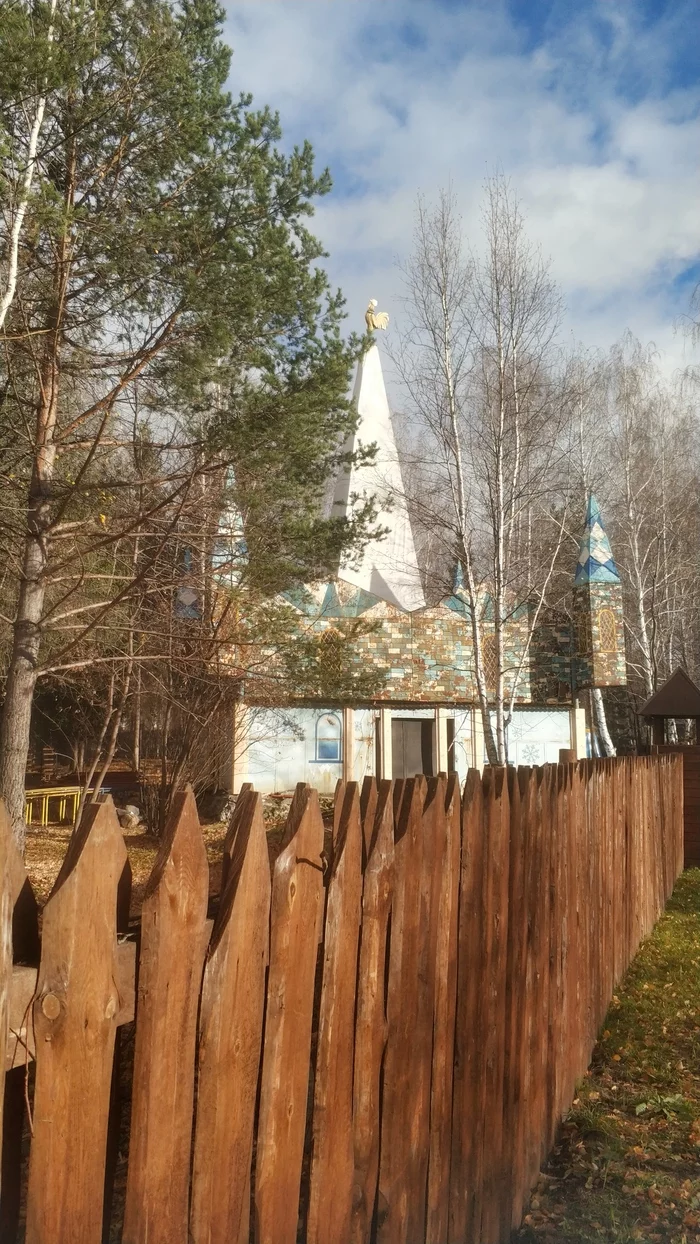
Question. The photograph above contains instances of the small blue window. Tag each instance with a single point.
(328, 737)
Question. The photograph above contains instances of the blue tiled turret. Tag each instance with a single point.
(595, 562)
(599, 641)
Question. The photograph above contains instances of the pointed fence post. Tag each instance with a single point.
(331, 1182)
(403, 1166)
(173, 944)
(368, 806)
(231, 1021)
(446, 899)
(535, 810)
(370, 1024)
(497, 831)
(241, 813)
(516, 1027)
(75, 1024)
(466, 1167)
(297, 908)
(557, 881)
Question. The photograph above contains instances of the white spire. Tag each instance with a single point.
(388, 568)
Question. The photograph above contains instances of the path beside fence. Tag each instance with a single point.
(375, 1043)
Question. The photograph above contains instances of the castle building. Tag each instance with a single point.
(425, 718)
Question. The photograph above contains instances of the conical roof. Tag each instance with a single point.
(595, 561)
(388, 568)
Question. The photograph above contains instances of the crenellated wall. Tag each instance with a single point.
(427, 656)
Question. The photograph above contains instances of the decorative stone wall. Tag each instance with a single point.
(600, 636)
(427, 656)
(598, 619)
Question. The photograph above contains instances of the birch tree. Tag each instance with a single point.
(585, 386)
(476, 360)
(24, 159)
(651, 452)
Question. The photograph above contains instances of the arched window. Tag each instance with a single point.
(489, 659)
(332, 652)
(582, 633)
(329, 732)
(607, 631)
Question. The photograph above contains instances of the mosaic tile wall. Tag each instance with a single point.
(427, 656)
(600, 636)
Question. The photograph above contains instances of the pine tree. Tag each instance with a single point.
(166, 286)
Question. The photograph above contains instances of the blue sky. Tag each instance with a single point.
(592, 110)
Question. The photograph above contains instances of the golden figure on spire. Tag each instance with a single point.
(375, 319)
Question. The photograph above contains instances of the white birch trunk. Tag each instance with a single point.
(25, 191)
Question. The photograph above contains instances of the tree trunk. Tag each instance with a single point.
(136, 749)
(601, 722)
(26, 637)
(112, 739)
(22, 675)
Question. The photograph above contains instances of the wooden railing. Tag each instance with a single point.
(375, 1042)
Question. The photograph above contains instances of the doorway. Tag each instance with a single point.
(412, 746)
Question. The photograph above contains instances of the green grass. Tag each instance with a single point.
(627, 1163)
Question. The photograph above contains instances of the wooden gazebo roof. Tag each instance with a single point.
(679, 697)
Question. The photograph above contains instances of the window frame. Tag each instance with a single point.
(336, 738)
(610, 625)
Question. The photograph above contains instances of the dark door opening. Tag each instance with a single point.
(411, 747)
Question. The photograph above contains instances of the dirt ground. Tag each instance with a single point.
(47, 845)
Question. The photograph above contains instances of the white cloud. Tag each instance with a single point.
(599, 139)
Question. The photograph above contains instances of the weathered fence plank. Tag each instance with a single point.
(556, 949)
(75, 1025)
(496, 874)
(173, 944)
(538, 845)
(403, 1165)
(297, 907)
(331, 1180)
(241, 811)
(466, 1170)
(231, 1021)
(516, 1032)
(368, 808)
(370, 1026)
(446, 899)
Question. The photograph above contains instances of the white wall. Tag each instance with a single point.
(534, 737)
(281, 751)
(281, 747)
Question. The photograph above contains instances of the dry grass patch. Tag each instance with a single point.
(627, 1165)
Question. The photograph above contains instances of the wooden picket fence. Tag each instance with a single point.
(377, 1042)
